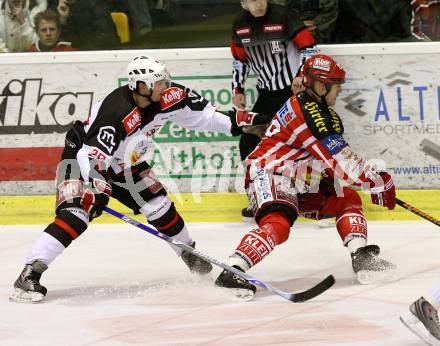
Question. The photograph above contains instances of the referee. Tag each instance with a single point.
(272, 41)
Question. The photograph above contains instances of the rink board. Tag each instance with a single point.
(206, 207)
(390, 107)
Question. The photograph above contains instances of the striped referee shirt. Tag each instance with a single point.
(274, 46)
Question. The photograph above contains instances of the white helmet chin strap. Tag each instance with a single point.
(148, 97)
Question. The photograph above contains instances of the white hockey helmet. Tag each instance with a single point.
(146, 69)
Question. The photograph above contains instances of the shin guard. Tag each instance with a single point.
(351, 225)
(67, 226)
(254, 246)
(274, 229)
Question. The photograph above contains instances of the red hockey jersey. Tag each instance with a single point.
(306, 137)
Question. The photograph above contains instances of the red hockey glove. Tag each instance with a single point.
(241, 118)
(94, 200)
(97, 195)
(384, 194)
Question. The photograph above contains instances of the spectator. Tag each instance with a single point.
(138, 14)
(16, 29)
(48, 29)
(373, 21)
(87, 23)
(319, 16)
(160, 12)
(425, 24)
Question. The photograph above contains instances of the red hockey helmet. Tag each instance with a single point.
(322, 68)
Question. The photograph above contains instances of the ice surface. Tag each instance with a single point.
(117, 285)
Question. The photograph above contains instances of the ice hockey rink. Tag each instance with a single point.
(118, 285)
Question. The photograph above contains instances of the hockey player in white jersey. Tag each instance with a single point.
(422, 318)
(105, 157)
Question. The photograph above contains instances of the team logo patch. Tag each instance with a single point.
(263, 187)
(334, 143)
(132, 121)
(171, 97)
(273, 28)
(336, 122)
(285, 114)
(275, 47)
(149, 132)
(357, 221)
(243, 31)
(322, 64)
(106, 137)
(134, 157)
(68, 190)
(347, 154)
(313, 111)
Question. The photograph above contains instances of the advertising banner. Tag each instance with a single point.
(390, 107)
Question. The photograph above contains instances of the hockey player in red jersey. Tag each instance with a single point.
(105, 157)
(295, 170)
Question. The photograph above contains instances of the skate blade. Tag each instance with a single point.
(239, 294)
(417, 327)
(22, 296)
(368, 277)
(202, 274)
(248, 219)
(243, 295)
(326, 223)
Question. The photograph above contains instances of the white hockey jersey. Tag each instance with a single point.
(121, 133)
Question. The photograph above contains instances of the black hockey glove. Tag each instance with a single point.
(75, 136)
(96, 197)
(241, 119)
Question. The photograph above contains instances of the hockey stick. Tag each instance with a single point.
(293, 297)
(417, 212)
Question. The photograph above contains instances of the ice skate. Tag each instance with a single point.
(27, 286)
(242, 289)
(248, 215)
(370, 268)
(423, 321)
(194, 263)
